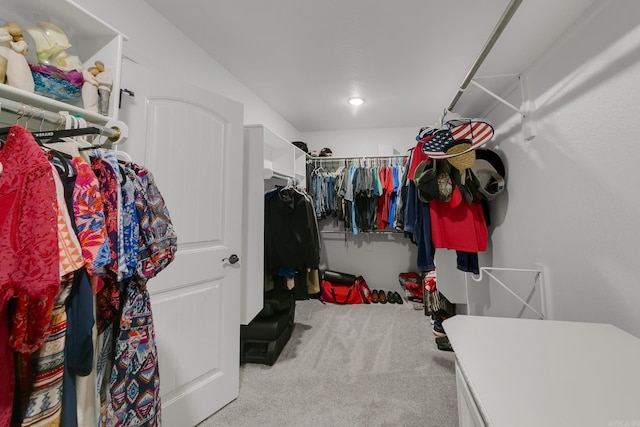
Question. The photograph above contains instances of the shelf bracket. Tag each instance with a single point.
(498, 97)
(538, 279)
(526, 112)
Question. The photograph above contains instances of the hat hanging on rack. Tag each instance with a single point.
(477, 131)
(426, 181)
(488, 173)
(461, 161)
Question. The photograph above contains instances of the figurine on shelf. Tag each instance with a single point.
(5, 47)
(18, 71)
(90, 89)
(105, 82)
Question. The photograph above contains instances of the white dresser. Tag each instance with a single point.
(544, 373)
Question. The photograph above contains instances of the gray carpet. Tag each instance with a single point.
(357, 365)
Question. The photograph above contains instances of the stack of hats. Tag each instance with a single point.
(477, 174)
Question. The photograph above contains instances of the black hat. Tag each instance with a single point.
(426, 182)
(326, 152)
(488, 174)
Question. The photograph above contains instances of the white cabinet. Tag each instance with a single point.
(268, 159)
(526, 372)
(92, 39)
(281, 159)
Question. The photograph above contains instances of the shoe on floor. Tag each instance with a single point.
(398, 298)
(440, 315)
(438, 330)
(382, 297)
(391, 297)
(374, 296)
(445, 346)
(442, 340)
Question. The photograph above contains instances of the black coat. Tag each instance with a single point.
(291, 232)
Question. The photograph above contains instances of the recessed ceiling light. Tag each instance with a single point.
(356, 101)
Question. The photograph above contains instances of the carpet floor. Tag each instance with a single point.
(349, 365)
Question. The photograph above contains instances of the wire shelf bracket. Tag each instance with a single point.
(542, 314)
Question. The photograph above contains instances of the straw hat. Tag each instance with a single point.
(463, 158)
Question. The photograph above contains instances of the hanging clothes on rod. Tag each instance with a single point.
(360, 192)
(97, 229)
(292, 240)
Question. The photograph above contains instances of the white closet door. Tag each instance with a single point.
(191, 140)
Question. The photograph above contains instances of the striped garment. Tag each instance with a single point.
(45, 400)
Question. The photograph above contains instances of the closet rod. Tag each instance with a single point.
(361, 232)
(497, 31)
(379, 156)
(113, 133)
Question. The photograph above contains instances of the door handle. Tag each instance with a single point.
(232, 259)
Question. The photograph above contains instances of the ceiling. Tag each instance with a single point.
(406, 58)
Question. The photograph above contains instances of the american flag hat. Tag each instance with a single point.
(424, 132)
(437, 144)
(477, 131)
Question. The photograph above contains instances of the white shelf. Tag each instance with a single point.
(92, 39)
(267, 156)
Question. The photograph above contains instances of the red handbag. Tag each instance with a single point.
(338, 292)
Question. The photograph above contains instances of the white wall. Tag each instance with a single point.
(378, 258)
(155, 42)
(572, 202)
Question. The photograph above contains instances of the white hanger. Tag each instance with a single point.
(123, 155)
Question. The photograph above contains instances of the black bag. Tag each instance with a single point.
(334, 276)
(301, 145)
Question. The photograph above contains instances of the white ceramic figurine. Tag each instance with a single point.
(18, 71)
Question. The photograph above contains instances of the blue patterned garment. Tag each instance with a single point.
(134, 385)
(110, 158)
(158, 240)
(135, 377)
(130, 224)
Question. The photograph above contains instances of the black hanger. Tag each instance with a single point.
(57, 134)
(123, 174)
(63, 159)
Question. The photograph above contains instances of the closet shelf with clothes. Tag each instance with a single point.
(270, 161)
(64, 41)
